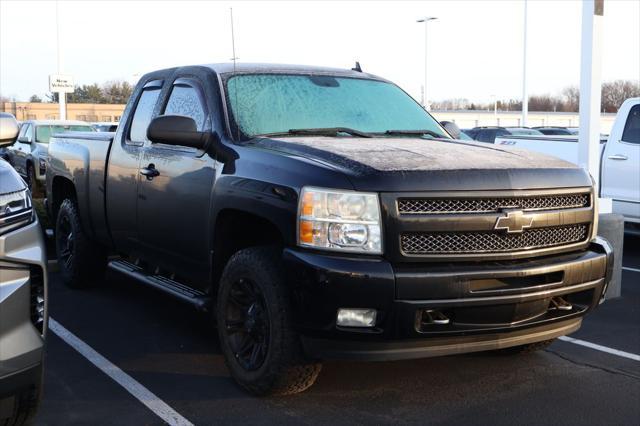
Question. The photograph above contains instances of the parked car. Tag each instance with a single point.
(619, 155)
(29, 154)
(314, 225)
(488, 134)
(555, 131)
(23, 293)
(104, 126)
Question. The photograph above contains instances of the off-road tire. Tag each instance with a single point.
(25, 407)
(285, 369)
(34, 185)
(526, 349)
(88, 259)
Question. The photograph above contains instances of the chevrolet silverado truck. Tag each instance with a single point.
(23, 290)
(321, 213)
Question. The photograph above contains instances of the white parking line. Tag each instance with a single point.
(626, 268)
(600, 348)
(142, 394)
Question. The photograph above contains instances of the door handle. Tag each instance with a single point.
(618, 157)
(150, 171)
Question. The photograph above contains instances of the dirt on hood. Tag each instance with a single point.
(412, 154)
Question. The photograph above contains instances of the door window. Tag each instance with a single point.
(142, 115)
(184, 100)
(631, 131)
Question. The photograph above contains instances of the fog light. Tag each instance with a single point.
(356, 317)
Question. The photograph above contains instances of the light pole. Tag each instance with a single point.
(525, 92)
(426, 19)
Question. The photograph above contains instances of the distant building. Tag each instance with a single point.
(46, 111)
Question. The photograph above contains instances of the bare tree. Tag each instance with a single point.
(614, 93)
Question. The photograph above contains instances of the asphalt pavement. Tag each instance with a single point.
(171, 352)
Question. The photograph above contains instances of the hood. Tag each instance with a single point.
(415, 164)
(10, 181)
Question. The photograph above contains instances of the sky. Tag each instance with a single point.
(474, 50)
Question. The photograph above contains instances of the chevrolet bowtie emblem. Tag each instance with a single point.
(514, 222)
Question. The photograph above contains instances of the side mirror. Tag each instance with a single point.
(9, 129)
(452, 128)
(23, 139)
(177, 130)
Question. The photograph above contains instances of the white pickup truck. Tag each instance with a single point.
(619, 158)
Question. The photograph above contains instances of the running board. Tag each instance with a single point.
(199, 300)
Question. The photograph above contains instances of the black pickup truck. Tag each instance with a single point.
(321, 213)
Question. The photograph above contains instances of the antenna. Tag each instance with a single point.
(357, 67)
(234, 58)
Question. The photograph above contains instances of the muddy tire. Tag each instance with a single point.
(81, 261)
(253, 316)
(34, 185)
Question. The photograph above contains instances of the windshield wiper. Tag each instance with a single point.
(415, 133)
(323, 131)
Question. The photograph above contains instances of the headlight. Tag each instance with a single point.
(339, 220)
(15, 210)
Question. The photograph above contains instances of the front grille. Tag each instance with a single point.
(491, 204)
(483, 242)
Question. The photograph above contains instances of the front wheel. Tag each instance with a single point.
(24, 408)
(81, 261)
(260, 346)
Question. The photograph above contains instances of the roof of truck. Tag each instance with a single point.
(228, 67)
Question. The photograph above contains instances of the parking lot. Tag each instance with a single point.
(168, 358)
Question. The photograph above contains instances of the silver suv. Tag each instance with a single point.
(23, 293)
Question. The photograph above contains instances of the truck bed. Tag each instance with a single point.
(81, 158)
(564, 147)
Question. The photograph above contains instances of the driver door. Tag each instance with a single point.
(174, 205)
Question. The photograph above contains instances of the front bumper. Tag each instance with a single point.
(489, 305)
(23, 276)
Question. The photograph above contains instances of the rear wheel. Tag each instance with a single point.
(261, 349)
(526, 349)
(81, 261)
(34, 185)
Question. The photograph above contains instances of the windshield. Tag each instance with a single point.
(43, 133)
(276, 103)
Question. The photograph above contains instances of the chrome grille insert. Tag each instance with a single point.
(491, 204)
(483, 242)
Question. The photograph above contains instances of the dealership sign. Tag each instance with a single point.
(61, 83)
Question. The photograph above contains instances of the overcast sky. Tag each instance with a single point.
(474, 50)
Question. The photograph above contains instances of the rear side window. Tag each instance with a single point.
(142, 115)
(631, 131)
(184, 100)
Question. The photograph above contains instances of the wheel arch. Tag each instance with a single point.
(237, 229)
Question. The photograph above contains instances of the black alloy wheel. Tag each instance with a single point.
(65, 242)
(247, 324)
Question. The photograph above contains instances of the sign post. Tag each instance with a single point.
(61, 84)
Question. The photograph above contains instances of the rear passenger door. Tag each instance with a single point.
(174, 206)
(123, 172)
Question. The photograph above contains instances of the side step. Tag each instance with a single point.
(199, 300)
